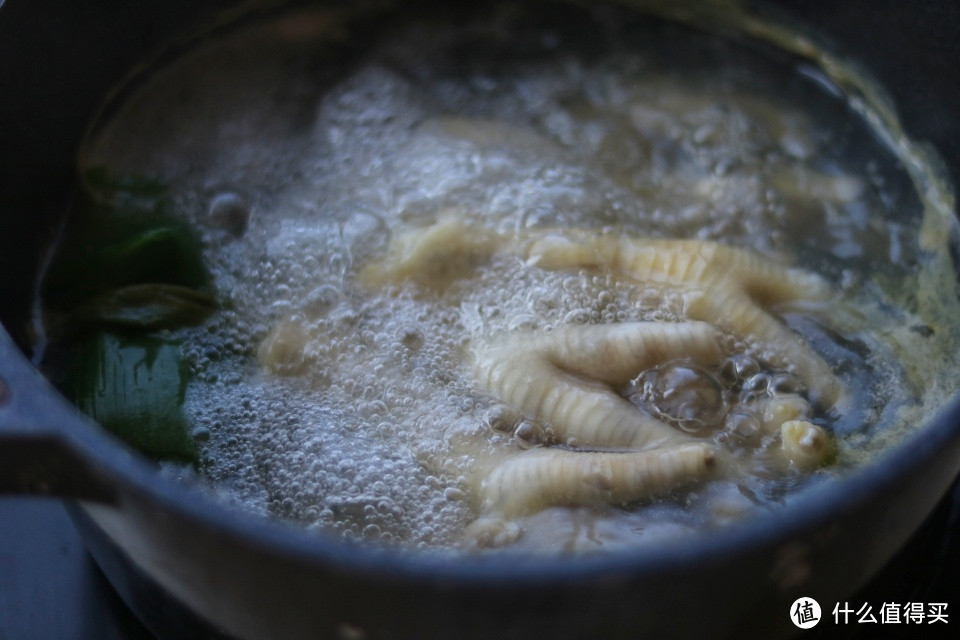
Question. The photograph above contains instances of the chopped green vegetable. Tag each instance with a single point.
(169, 254)
(134, 387)
(127, 267)
(120, 236)
(144, 306)
(88, 264)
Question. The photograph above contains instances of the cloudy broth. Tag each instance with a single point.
(319, 399)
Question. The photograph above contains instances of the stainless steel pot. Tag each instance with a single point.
(252, 579)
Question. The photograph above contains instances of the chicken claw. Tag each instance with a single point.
(569, 380)
(726, 287)
(567, 377)
(435, 257)
(541, 478)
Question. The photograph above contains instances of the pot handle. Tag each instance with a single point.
(47, 447)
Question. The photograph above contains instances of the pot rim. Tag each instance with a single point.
(815, 508)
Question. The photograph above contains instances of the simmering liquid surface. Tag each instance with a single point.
(302, 158)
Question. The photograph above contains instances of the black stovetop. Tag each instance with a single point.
(50, 589)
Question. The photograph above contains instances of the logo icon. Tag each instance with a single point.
(805, 612)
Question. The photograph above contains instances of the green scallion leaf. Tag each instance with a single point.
(135, 388)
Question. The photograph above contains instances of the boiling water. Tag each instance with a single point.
(300, 158)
